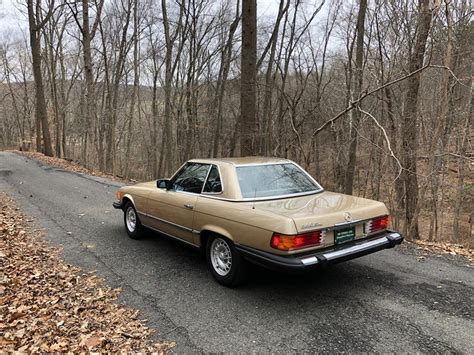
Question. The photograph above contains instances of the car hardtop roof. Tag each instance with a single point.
(243, 160)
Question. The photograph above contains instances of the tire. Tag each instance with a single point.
(131, 221)
(224, 262)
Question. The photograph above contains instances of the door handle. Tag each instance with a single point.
(187, 205)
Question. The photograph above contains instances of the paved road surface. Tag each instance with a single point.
(385, 302)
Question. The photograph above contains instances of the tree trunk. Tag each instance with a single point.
(442, 130)
(154, 112)
(87, 57)
(266, 139)
(40, 105)
(166, 151)
(118, 72)
(88, 34)
(135, 88)
(248, 92)
(461, 175)
(410, 123)
(222, 79)
(349, 176)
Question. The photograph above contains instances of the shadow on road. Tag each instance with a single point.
(346, 275)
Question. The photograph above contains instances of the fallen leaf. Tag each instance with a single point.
(20, 333)
(91, 342)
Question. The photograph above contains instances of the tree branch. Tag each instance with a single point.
(387, 140)
(355, 103)
(51, 9)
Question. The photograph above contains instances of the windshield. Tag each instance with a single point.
(274, 180)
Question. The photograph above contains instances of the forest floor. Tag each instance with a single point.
(48, 305)
(438, 246)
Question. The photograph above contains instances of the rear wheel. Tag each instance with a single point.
(132, 222)
(224, 262)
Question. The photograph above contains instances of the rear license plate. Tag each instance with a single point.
(344, 235)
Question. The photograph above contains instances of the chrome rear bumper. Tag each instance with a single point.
(352, 250)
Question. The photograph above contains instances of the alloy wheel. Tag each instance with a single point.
(221, 256)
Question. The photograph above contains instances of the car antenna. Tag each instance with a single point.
(254, 197)
(256, 188)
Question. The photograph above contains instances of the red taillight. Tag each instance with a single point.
(376, 224)
(298, 241)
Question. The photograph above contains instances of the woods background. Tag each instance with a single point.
(373, 97)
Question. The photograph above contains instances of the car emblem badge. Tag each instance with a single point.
(311, 225)
(347, 216)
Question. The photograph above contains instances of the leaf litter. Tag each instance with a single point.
(443, 248)
(70, 166)
(48, 305)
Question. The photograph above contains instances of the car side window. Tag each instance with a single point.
(213, 182)
(191, 178)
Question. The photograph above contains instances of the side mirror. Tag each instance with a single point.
(163, 184)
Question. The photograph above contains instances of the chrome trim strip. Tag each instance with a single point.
(268, 198)
(205, 179)
(173, 237)
(347, 223)
(259, 199)
(310, 261)
(196, 232)
(309, 176)
(282, 161)
(355, 248)
(220, 198)
(177, 171)
(395, 235)
(170, 223)
(222, 182)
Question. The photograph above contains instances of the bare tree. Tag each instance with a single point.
(360, 30)
(410, 121)
(166, 163)
(248, 90)
(222, 78)
(136, 82)
(36, 21)
(267, 126)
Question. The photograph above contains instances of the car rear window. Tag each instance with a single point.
(257, 181)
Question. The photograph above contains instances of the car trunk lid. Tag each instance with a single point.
(324, 210)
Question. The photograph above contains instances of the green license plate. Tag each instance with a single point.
(344, 235)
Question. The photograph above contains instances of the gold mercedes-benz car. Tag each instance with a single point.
(267, 211)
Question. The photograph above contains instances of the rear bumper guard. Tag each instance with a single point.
(355, 249)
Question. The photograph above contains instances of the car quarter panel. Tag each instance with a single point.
(240, 222)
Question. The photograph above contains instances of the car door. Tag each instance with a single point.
(171, 211)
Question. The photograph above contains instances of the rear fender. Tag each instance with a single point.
(213, 229)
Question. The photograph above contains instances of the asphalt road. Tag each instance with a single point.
(384, 302)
